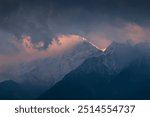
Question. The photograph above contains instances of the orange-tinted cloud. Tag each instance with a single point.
(136, 33)
(29, 51)
(99, 39)
(130, 32)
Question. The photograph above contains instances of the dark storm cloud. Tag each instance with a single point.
(43, 19)
(99, 21)
(128, 9)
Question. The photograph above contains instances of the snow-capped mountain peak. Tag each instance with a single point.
(71, 52)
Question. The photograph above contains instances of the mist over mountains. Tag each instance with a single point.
(121, 73)
(84, 72)
(74, 49)
(62, 56)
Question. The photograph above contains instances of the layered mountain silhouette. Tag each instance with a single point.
(123, 72)
(37, 76)
(11, 90)
(45, 72)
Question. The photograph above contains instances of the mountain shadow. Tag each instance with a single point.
(95, 79)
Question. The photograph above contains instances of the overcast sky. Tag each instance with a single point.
(100, 21)
(70, 16)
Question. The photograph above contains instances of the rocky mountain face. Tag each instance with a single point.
(121, 73)
(83, 72)
(33, 78)
(47, 71)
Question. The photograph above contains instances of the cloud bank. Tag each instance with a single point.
(130, 32)
(29, 51)
(15, 51)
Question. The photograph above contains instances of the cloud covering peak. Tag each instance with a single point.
(14, 50)
(29, 51)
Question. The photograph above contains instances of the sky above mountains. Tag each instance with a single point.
(41, 21)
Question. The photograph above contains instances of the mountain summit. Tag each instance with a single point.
(66, 54)
(122, 72)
